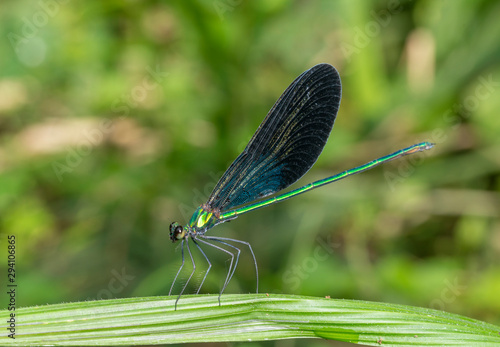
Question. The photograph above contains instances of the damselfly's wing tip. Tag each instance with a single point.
(325, 67)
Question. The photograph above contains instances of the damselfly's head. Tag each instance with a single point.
(177, 232)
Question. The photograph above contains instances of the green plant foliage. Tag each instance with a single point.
(152, 321)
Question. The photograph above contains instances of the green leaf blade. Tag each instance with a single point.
(199, 318)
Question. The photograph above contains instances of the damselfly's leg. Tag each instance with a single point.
(251, 251)
(223, 250)
(180, 268)
(230, 272)
(209, 265)
(189, 278)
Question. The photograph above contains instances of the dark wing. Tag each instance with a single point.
(286, 144)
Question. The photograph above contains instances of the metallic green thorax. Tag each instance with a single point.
(202, 220)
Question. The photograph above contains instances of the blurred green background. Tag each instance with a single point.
(117, 118)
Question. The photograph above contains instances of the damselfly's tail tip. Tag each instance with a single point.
(428, 145)
(419, 147)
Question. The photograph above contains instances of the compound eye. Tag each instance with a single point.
(178, 230)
